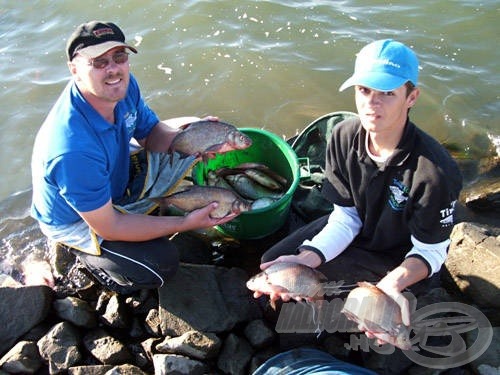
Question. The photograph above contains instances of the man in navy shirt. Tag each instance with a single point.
(84, 196)
(393, 188)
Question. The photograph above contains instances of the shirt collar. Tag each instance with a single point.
(400, 154)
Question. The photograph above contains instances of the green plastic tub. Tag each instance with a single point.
(276, 153)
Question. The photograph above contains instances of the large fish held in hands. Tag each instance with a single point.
(295, 280)
(195, 197)
(378, 313)
(207, 138)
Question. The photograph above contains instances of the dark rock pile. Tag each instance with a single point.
(204, 321)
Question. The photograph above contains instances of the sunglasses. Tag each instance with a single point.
(102, 62)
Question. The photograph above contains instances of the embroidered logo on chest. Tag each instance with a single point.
(398, 195)
(130, 119)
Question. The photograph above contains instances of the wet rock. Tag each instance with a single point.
(142, 303)
(177, 364)
(205, 298)
(235, 355)
(193, 344)
(141, 358)
(153, 322)
(488, 370)
(89, 370)
(488, 167)
(38, 331)
(62, 260)
(23, 358)
(136, 329)
(259, 334)
(149, 345)
(23, 307)
(116, 314)
(491, 357)
(102, 300)
(474, 263)
(76, 311)
(70, 275)
(60, 347)
(106, 348)
(483, 195)
(125, 370)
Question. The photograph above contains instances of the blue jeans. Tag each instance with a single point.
(308, 361)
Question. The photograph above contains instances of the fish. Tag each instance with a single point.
(250, 189)
(370, 307)
(207, 138)
(263, 179)
(196, 196)
(262, 203)
(296, 280)
(213, 179)
(264, 168)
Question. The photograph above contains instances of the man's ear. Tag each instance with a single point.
(412, 97)
(72, 68)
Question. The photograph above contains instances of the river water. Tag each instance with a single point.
(273, 64)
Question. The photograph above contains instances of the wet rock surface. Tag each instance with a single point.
(21, 309)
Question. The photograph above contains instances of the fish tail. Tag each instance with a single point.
(317, 310)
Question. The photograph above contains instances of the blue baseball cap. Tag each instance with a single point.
(384, 65)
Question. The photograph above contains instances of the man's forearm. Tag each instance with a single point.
(409, 272)
(160, 138)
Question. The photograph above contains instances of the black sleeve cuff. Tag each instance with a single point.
(427, 264)
(313, 249)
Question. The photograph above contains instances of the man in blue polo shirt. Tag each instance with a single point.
(393, 188)
(84, 195)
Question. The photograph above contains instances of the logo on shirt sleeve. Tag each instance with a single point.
(447, 215)
(398, 195)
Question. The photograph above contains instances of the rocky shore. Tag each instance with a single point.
(205, 320)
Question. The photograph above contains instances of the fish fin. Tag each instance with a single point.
(272, 303)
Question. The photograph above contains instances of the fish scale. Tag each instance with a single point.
(296, 279)
(203, 138)
(196, 197)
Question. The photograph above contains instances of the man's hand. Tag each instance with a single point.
(201, 218)
(306, 257)
(408, 273)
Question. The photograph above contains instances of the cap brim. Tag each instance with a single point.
(97, 50)
(375, 81)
